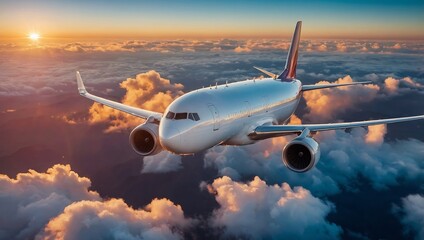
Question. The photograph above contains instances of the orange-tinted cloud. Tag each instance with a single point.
(376, 134)
(322, 48)
(147, 90)
(323, 104)
(240, 49)
(115, 219)
(341, 47)
(391, 84)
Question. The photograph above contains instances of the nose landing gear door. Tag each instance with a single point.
(215, 115)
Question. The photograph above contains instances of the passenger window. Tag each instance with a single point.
(190, 116)
(196, 116)
(170, 115)
(180, 116)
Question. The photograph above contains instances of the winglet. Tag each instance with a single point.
(81, 87)
(291, 62)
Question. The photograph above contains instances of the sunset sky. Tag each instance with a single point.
(100, 19)
(67, 168)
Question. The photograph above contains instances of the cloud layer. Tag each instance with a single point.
(170, 46)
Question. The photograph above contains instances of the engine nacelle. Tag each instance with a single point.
(144, 139)
(301, 154)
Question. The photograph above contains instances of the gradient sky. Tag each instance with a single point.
(216, 19)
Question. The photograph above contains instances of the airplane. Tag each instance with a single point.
(237, 113)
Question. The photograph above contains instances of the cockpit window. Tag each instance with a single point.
(193, 116)
(196, 116)
(170, 115)
(180, 116)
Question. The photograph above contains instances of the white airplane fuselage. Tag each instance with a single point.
(228, 113)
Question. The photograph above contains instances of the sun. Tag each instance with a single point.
(34, 36)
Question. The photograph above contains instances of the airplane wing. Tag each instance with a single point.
(320, 86)
(119, 106)
(279, 130)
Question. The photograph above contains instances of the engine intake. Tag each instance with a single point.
(301, 154)
(144, 139)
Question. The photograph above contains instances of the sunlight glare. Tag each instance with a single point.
(34, 36)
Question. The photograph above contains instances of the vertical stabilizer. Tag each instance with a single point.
(291, 63)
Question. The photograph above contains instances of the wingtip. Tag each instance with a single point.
(80, 83)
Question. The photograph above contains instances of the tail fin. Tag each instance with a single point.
(291, 63)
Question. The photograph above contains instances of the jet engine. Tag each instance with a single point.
(301, 154)
(144, 139)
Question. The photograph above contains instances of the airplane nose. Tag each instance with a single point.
(170, 138)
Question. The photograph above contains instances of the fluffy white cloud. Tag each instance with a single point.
(256, 210)
(58, 205)
(161, 163)
(29, 201)
(412, 215)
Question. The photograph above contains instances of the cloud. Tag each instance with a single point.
(256, 210)
(239, 49)
(345, 156)
(248, 45)
(324, 104)
(391, 84)
(12, 89)
(216, 49)
(32, 199)
(341, 47)
(147, 90)
(412, 215)
(376, 134)
(375, 46)
(397, 46)
(161, 163)
(59, 204)
(322, 48)
(395, 86)
(114, 219)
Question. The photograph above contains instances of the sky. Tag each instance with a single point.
(68, 170)
(100, 19)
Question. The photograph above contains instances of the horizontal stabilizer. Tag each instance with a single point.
(321, 86)
(274, 76)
